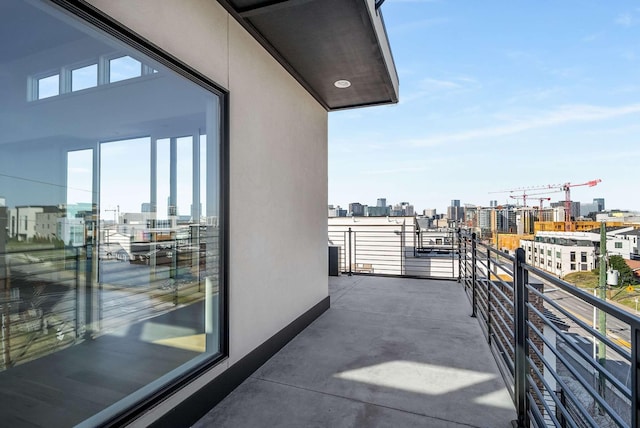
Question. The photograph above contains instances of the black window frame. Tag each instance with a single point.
(92, 16)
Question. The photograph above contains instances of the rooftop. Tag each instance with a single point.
(389, 352)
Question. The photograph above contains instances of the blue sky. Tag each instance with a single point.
(498, 95)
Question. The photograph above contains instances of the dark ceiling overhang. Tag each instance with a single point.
(322, 41)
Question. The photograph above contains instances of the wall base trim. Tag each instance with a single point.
(198, 404)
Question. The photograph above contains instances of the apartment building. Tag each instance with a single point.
(566, 252)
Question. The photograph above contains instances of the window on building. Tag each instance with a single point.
(84, 77)
(549, 253)
(583, 266)
(134, 288)
(558, 254)
(572, 266)
(124, 68)
(583, 257)
(48, 86)
(558, 265)
(572, 256)
(618, 245)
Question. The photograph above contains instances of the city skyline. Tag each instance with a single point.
(490, 102)
(493, 203)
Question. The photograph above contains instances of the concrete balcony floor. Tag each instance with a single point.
(390, 352)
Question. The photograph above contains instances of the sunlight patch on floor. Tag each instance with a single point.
(416, 377)
(194, 342)
(499, 399)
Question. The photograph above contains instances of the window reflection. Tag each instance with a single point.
(124, 68)
(48, 86)
(109, 249)
(84, 77)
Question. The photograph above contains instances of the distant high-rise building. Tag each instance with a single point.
(493, 204)
(455, 212)
(409, 210)
(382, 202)
(403, 209)
(590, 210)
(599, 202)
(378, 211)
(356, 209)
(429, 212)
(336, 211)
(506, 220)
(575, 207)
(484, 221)
(145, 207)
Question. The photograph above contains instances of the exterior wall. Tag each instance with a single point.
(556, 259)
(621, 246)
(278, 161)
(47, 225)
(22, 222)
(278, 260)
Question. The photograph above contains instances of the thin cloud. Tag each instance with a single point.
(625, 20)
(537, 94)
(418, 25)
(430, 86)
(427, 84)
(395, 170)
(593, 37)
(562, 115)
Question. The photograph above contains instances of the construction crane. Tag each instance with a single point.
(540, 208)
(525, 195)
(567, 200)
(552, 188)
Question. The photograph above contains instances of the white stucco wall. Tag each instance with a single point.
(278, 164)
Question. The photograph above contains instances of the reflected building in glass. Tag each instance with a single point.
(128, 132)
(95, 277)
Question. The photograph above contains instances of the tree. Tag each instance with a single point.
(626, 274)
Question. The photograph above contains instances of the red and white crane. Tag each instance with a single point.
(567, 200)
(551, 188)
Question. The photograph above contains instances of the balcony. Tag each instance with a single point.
(424, 329)
(493, 343)
(392, 352)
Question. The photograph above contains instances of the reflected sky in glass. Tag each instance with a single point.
(48, 86)
(84, 77)
(124, 68)
(124, 176)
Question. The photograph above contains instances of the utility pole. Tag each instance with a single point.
(602, 316)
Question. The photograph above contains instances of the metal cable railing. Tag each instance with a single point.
(545, 347)
(395, 250)
(51, 298)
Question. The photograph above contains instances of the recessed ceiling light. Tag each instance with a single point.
(342, 84)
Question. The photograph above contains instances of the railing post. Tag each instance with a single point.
(350, 264)
(459, 232)
(521, 331)
(489, 332)
(76, 270)
(635, 375)
(559, 414)
(474, 299)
